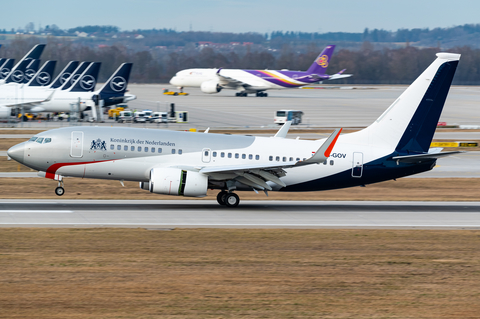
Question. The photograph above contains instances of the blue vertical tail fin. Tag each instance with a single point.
(44, 76)
(68, 82)
(88, 79)
(116, 86)
(6, 68)
(31, 70)
(319, 66)
(17, 75)
(64, 74)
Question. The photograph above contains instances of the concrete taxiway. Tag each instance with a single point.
(250, 214)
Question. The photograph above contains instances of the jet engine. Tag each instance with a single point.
(175, 181)
(210, 87)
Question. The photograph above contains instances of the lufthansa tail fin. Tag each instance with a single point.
(409, 123)
(87, 81)
(31, 70)
(319, 66)
(18, 74)
(33, 54)
(116, 86)
(64, 75)
(6, 68)
(44, 76)
(68, 82)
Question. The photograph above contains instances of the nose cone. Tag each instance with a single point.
(17, 152)
(174, 81)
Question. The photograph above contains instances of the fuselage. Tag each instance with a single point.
(131, 154)
(257, 79)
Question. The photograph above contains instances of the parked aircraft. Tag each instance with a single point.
(21, 66)
(6, 68)
(256, 81)
(187, 164)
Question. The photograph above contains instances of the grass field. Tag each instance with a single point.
(221, 273)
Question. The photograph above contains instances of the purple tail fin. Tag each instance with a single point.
(319, 66)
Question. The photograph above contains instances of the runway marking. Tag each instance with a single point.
(13, 211)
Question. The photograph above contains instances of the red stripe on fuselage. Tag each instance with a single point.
(50, 173)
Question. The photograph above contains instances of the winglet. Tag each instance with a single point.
(282, 132)
(220, 69)
(323, 151)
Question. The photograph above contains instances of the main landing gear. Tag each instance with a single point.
(60, 190)
(258, 94)
(228, 199)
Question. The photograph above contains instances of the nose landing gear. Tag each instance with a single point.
(60, 190)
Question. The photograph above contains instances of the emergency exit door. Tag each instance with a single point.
(357, 165)
(77, 144)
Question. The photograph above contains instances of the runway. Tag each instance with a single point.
(250, 214)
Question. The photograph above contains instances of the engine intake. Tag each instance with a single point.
(210, 87)
(174, 181)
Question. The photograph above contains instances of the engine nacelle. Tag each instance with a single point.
(174, 181)
(210, 87)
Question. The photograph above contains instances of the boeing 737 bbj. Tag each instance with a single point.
(187, 164)
(257, 81)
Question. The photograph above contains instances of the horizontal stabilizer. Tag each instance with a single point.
(423, 157)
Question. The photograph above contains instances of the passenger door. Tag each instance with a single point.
(77, 144)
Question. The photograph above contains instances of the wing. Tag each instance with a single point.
(30, 104)
(257, 175)
(227, 81)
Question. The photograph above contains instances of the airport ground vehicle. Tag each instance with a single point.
(282, 116)
(140, 117)
(115, 112)
(167, 92)
(125, 116)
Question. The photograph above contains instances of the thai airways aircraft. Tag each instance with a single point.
(187, 164)
(257, 81)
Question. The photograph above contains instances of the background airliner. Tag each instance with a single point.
(257, 81)
(397, 144)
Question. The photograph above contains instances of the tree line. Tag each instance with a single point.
(152, 65)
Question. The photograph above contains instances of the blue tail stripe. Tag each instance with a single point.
(419, 133)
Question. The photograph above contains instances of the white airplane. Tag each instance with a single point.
(397, 144)
(17, 73)
(257, 81)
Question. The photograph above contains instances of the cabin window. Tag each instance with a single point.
(331, 162)
(222, 154)
(47, 140)
(180, 152)
(270, 158)
(146, 149)
(250, 156)
(112, 147)
(206, 153)
(291, 159)
(229, 155)
(244, 156)
(257, 157)
(119, 147)
(152, 150)
(132, 148)
(237, 155)
(139, 149)
(125, 148)
(40, 140)
(284, 159)
(173, 151)
(325, 162)
(277, 158)
(214, 154)
(33, 139)
(159, 150)
(298, 158)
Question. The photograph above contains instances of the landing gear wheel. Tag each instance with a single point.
(231, 200)
(221, 198)
(59, 191)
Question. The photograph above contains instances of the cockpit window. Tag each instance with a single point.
(33, 139)
(47, 140)
(40, 140)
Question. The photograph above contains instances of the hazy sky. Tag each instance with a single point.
(242, 15)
